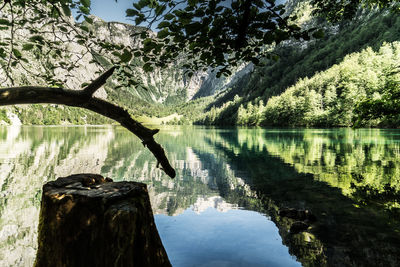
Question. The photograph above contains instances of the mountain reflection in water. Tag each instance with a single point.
(222, 209)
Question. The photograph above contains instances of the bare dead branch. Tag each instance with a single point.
(79, 98)
(99, 82)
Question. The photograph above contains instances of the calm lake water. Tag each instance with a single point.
(226, 205)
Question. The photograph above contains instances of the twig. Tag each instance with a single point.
(99, 82)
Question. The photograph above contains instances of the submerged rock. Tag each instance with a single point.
(300, 215)
(298, 227)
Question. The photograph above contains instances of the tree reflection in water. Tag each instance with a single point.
(348, 179)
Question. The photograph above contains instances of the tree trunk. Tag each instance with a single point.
(86, 220)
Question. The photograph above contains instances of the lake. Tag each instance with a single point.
(235, 189)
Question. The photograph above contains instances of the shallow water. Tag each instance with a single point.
(222, 209)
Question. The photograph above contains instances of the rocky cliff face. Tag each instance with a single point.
(212, 85)
(161, 83)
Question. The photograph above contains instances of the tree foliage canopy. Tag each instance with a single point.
(204, 33)
(215, 33)
(220, 33)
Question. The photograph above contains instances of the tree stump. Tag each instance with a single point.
(87, 220)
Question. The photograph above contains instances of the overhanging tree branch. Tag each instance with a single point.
(83, 99)
(99, 82)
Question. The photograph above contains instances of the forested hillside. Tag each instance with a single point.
(320, 84)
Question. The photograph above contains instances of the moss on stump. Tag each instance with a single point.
(87, 220)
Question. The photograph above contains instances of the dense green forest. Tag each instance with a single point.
(320, 85)
(329, 98)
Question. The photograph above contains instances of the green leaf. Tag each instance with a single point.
(101, 60)
(148, 45)
(84, 10)
(139, 20)
(63, 29)
(126, 56)
(85, 3)
(158, 48)
(275, 57)
(37, 39)
(160, 10)
(255, 61)
(27, 46)
(84, 84)
(117, 54)
(88, 20)
(66, 10)
(5, 22)
(318, 34)
(17, 53)
(163, 24)
(169, 16)
(193, 28)
(147, 67)
(192, 2)
(162, 34)
(131, 12)
(143, 3)
(85, 28)
(143, 35)
(137, 6)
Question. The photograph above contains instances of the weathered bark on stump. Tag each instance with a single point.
(86, 220)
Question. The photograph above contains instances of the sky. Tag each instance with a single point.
(109, 10)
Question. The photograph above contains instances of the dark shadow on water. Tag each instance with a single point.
(344, 233)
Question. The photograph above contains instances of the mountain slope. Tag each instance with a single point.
(369, 30)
